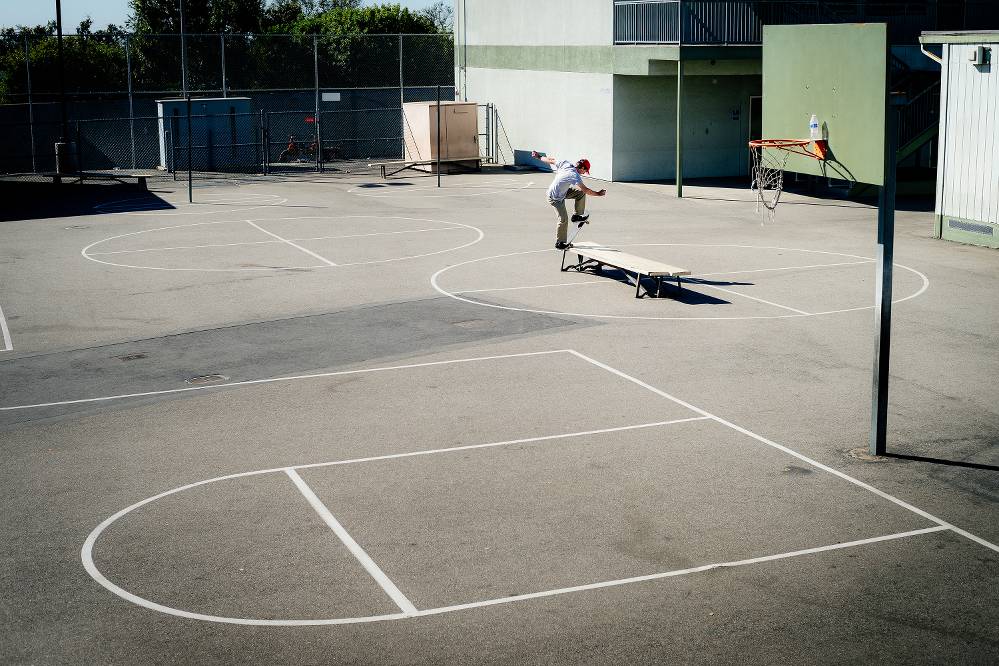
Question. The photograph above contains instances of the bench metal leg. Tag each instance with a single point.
(638, 285)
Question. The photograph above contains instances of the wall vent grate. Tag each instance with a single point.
(970, 226)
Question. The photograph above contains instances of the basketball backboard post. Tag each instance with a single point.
(838, 73)
(883, 289)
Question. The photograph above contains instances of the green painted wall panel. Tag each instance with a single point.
(973, 232)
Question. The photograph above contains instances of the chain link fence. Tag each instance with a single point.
(261, 104)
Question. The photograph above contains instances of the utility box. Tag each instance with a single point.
(459, 133)
(223, 134)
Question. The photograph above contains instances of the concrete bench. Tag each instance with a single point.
(409, 164)
(594, 255)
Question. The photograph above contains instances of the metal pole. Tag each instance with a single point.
(131, 108)
(315, 67)
(222, 41)
(883, 288)
(679, 128)
(31, 109)
(62, 75)
(183, 53)
(438, 136)
(402, 89)
(190, 177)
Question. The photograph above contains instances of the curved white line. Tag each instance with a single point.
(93, 257)
(434, 283)
(87, 552)
(5, 333)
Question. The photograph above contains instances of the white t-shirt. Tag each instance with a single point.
(565, 177)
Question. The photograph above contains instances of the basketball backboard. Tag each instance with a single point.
(837, 72)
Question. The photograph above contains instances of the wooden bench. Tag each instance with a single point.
(410, 164)
(593, 255)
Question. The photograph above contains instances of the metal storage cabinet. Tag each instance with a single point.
(459, 131)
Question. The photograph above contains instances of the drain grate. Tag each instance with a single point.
(207, 379)
(131, 357)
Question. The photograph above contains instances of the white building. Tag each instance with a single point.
(563, 82)
(967, 202)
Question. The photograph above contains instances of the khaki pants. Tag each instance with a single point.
(563, 217)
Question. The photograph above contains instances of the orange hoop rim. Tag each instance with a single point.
(796, 146)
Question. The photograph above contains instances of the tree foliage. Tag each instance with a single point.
(258, 49)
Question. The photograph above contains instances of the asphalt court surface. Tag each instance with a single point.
(606, 465)
(341, 399)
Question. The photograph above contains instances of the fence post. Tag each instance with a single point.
(190, 175)
(131, 107)
(402, 87)
(318, 141)
(79, 151)
(222, 41)
(438, 136)
(260, 143)
(183, 52)
(31, 110)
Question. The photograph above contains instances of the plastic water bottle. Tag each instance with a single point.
(813, 128)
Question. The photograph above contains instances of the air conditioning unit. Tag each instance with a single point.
(979, 55)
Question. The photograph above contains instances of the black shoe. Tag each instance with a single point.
(560, 245)
(582, 219)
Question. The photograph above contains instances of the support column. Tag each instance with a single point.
(679, 128)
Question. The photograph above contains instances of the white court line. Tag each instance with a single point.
(752, 298)
(268, 242)
(5, 332)
(87, 254)
(89, 565)
(292, 243)
(271, 380)
(799, 456)
(533, 286)
(435, 283)
(678, 572)
(87, 552)
(787, 268)
(404, 604)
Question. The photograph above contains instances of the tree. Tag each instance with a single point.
(441, 14)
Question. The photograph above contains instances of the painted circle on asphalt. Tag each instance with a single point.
(171, 244)
(462, 295)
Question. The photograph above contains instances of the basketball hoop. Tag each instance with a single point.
(769, 159)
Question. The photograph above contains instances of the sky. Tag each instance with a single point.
(36, 12)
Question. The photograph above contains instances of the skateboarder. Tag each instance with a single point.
(568, 183)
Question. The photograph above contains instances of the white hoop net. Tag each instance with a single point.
(768, 177)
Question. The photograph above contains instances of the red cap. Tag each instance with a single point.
(583, 164)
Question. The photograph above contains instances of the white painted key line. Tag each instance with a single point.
(5, 334)
(406, 607)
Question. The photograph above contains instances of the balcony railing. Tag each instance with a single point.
(733, 22)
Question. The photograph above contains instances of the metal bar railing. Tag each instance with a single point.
(734, 22)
